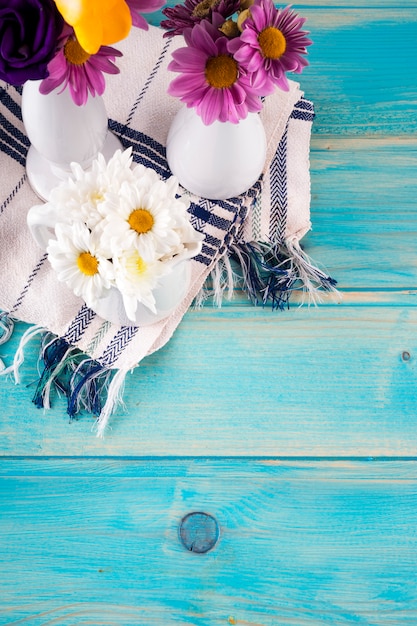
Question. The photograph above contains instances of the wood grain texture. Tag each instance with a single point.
(300, 543)
(279, 417)
(230, 383)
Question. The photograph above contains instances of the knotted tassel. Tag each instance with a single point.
(114, 398)
(88, 388)
(6, 331)
(272, 273)
(219, 284)
(19, 356)
(57, 355)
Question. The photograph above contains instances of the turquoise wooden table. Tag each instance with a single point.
(290, 435)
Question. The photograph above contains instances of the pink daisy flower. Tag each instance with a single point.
(81, 72)
(271, 44)
(211, 80)
(192, 12)
(137, 7)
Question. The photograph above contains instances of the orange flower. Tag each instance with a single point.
(96, 22)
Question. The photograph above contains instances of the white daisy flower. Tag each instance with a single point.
(80, 196)
(76, 257)
(136, 278)
(143, 216)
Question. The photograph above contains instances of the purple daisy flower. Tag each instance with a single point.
(271, 44)
(81, 72)
(211, 80)
(192, 12)
(137, 7)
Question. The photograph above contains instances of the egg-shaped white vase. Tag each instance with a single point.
(61, 132)
(217, 161)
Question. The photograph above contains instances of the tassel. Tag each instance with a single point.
(19, 356)
(222, 280)
(271, 273)
(6, 328)
(6, 331)
(57, 355)
(88, 384)
(114, 397)
(81, 379)
(313, 280)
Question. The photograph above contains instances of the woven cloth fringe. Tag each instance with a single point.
(66, 371)
(270, 273)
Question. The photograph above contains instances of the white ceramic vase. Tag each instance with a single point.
(218, 161)
(171, 289)
(61, 132)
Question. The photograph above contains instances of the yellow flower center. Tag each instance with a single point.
(141, 220)
(87, 264)
(74, 53)
(221, 71)
(135, 265)
(272, 43)
(96, 197)
(140, 265)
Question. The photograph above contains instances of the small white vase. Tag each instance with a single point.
(170, 291)
(61, 132)
(218, 161)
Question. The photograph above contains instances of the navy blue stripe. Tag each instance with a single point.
(212, 241)
(149, 80)
(203, 259)
(304, 104)
(11, 128)
(146, 150)
(12, 195)
(208, 250)
(79, 324)
(231, 204)
(302, 115)
(119, 342)
(29, 282)
(278, 170)
(12, 143)
(212, 219)
(10, 104)
(4, 147)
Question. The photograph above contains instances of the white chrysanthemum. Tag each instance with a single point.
(76, 257)
(79, 197)
(136, 278)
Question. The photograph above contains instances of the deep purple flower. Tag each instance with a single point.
(137, 7)
(211, 80)
(29, 30)
(192, 12)
(271, 44)
(81, 72)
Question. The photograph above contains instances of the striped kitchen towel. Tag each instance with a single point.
(88, 358)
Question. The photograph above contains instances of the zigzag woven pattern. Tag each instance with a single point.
(279, 205)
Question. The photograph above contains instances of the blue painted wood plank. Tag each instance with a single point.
(302, 543)
(245, 381)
